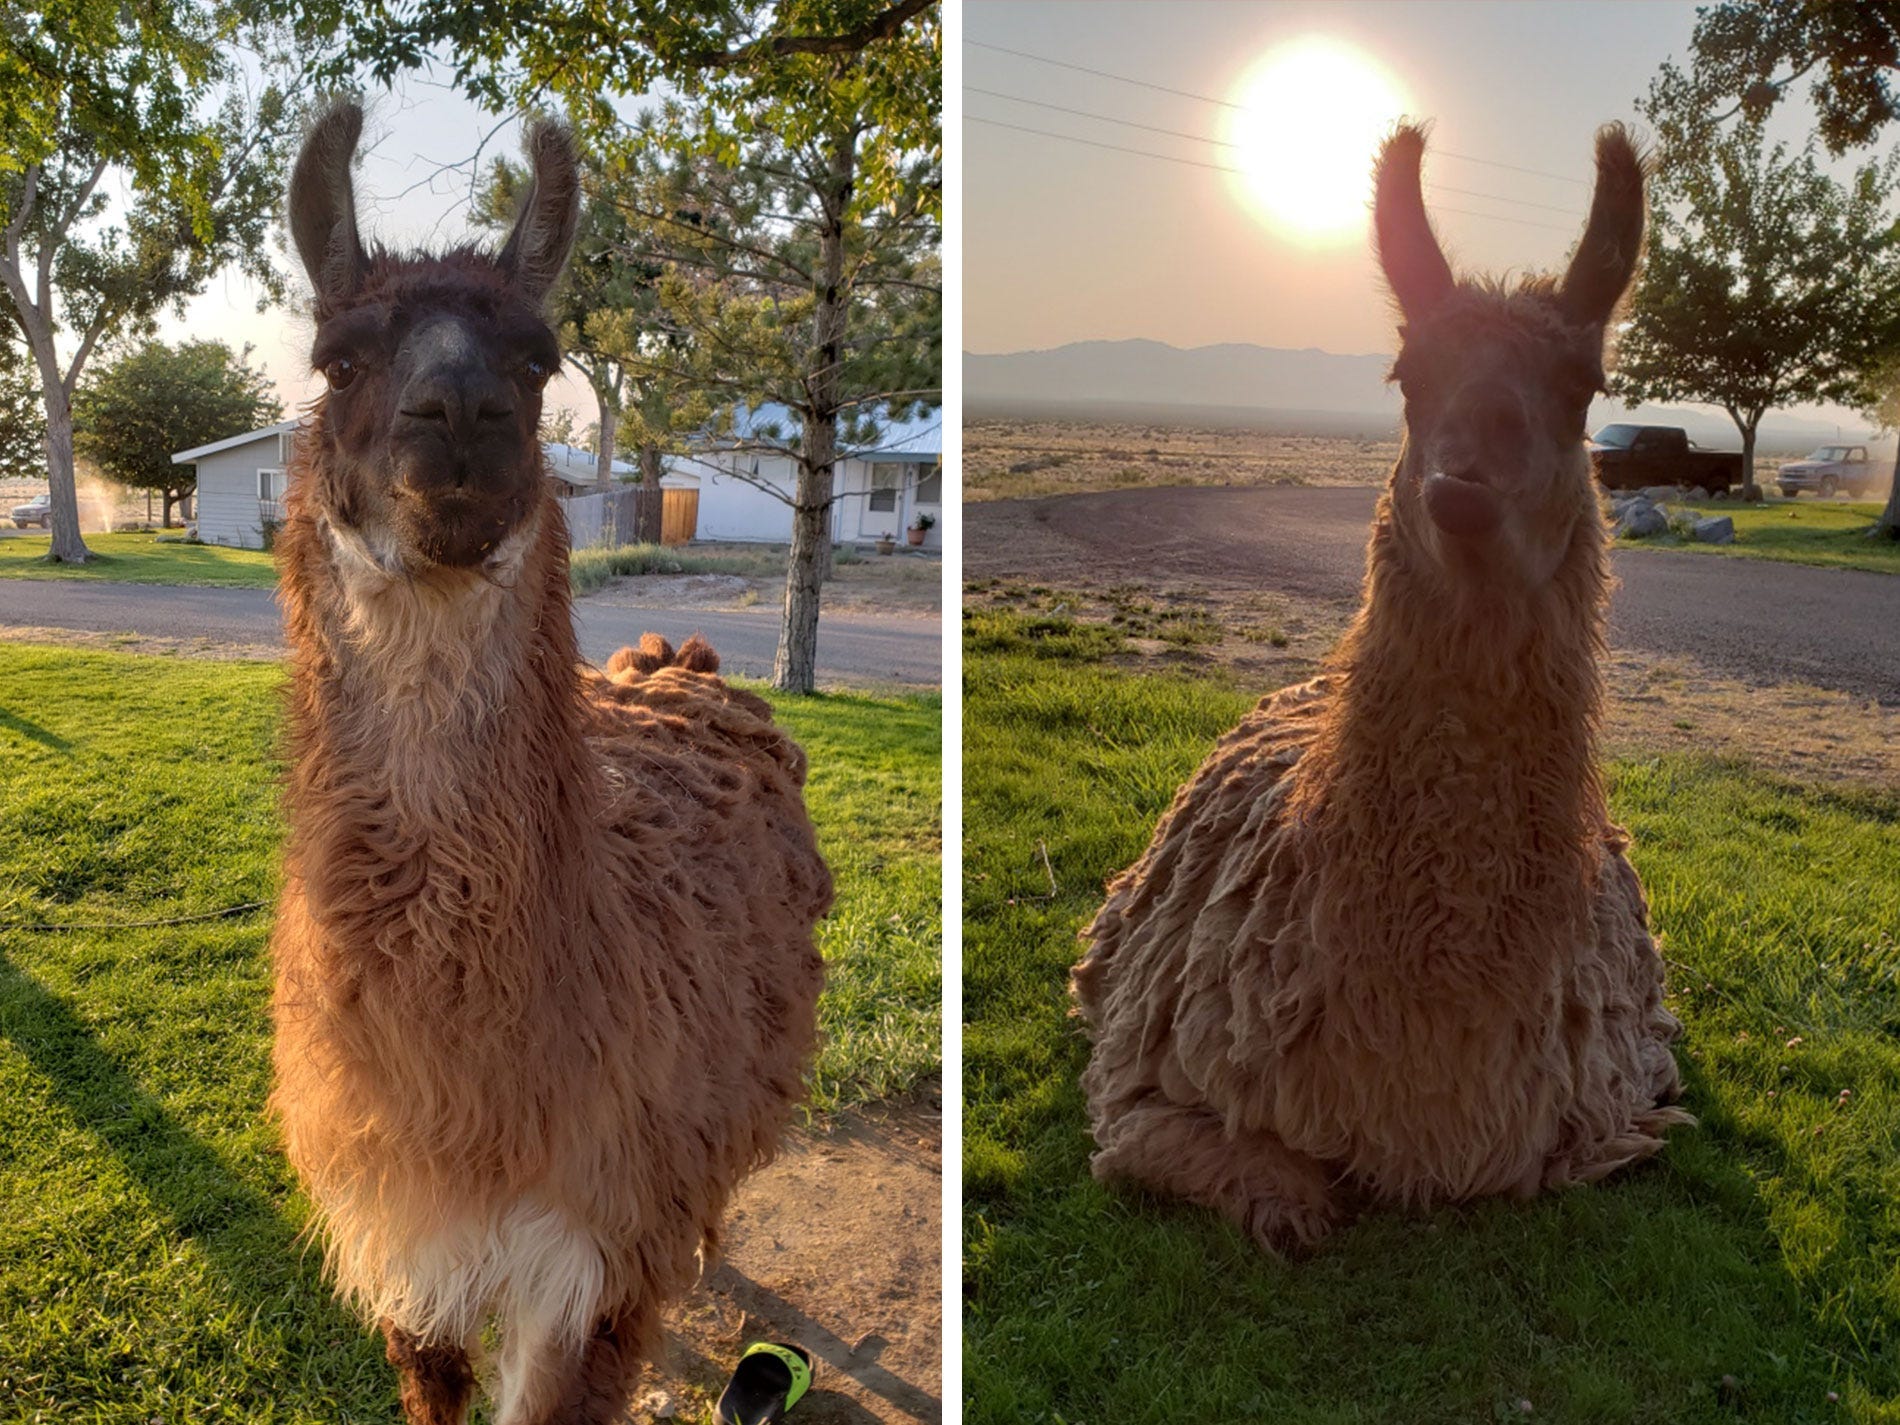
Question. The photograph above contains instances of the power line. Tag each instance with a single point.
(1228, 143)
(1231, 104)
(1229, 168)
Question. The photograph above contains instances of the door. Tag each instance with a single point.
(883, 512)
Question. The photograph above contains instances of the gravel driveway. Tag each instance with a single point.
(1749, 619)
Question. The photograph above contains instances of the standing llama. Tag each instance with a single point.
(1385, 945)
(545, 971)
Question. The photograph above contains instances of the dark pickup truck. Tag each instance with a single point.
(1630, 457)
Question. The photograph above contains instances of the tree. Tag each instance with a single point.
(1749, 54)
(742, 239)
(132, 416)
(850, 90)
(151, 100)
(1752, 294)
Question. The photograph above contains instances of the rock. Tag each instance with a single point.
(1641, 520)
(1657, 494)
(1719, 530)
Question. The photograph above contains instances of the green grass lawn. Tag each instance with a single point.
(1799, 531)
(149, 1267)
(141, 559)
(1748, 1272)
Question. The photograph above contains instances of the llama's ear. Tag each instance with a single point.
(537, 249)
(1414, 264)
(1612, 241)
(323, 204)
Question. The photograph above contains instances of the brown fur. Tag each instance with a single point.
(546, 978)
(1386, 943)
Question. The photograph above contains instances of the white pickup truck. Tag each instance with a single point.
(1832, 469)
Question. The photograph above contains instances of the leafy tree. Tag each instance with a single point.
(1747, 55)
(1753, 291)
(150, 100)
(849, 90)
(131, 416)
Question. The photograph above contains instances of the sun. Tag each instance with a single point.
(1311, 115)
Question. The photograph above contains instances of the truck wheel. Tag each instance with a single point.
(1827, 487)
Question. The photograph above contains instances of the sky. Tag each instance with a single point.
(1065, 242)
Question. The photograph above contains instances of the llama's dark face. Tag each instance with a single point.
(1497, 385)
(429, 455)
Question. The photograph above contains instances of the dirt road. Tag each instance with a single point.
(1752, 620)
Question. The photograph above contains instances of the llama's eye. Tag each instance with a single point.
(340, 373)
(538, 373)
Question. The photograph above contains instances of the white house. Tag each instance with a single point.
(883, 483)
(241, 481)
(241, 484)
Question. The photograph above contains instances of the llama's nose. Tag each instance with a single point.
(463, 401)
(1491, 430)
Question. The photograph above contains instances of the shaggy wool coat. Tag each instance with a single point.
(1386, 942)
(546, 978)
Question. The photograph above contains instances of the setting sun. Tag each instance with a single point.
(1311, 114)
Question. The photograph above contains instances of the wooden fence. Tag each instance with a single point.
(612, 517)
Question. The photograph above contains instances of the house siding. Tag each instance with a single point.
(228, 508)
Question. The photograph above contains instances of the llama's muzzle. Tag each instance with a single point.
(1463, 507)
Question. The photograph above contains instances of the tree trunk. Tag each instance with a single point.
(609, 418)
(67, 545)
(652, 504)
(1888, 525)
(1749, 492)
(795, 668)
(166, 522)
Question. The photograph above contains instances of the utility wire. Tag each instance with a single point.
(1231, 104)
(1228, 143)
(1229, 168)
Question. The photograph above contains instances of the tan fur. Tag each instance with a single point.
(1386, 944)
(545, 970)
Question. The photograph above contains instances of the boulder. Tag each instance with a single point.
(1657, 494)
(1719, 530)
(1641, 520)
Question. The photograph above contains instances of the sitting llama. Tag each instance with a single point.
(1385, 945)
(545, 972)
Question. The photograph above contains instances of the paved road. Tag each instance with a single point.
(852, 648)
(1745, 618)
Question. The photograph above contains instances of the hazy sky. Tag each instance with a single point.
(1064, 242)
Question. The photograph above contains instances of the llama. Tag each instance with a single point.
(545, 976)
(1386, 946)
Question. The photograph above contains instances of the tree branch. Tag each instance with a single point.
(879, 27)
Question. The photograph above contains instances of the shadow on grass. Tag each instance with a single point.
(13, 722)
(262, 1265)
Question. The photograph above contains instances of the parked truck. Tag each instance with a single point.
(1833, 468)
(1630, 457)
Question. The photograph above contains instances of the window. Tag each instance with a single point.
(284, 438)
(270, 484)
(930, 484)
(885, 480)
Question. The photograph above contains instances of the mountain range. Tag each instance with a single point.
(1273, 388)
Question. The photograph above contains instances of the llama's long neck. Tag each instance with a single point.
(437, 789)
(1456, 773)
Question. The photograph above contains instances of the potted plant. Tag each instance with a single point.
(886, 545)
(918, 527)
